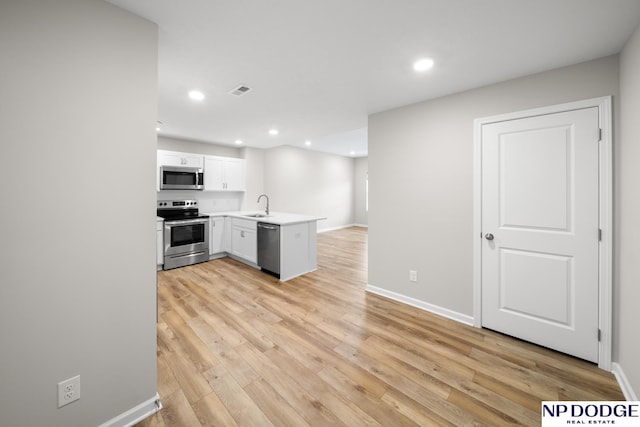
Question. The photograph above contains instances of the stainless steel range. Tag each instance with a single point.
(186, 233)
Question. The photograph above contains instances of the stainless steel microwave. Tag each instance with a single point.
(181, 178)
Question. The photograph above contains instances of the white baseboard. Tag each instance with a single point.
(624, 383)
(136, 414)
(441, 311)
(340, 227)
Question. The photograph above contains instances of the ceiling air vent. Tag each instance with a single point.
(240, 90)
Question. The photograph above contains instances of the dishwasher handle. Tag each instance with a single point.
(267, 226)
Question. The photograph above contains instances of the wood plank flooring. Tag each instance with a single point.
(236, 347)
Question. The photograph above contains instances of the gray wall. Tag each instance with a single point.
(254, 163)
(361, 168)
(421, 179)
(627, 215)
(310, 183)
(186, 146)
(78, 286)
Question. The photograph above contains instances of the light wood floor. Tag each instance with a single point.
(237, 347)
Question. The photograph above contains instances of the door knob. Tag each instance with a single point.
(488, 236)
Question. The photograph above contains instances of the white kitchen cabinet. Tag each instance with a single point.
(216, 235)
(159, 242)
(298, 249)
(224, 174)
(234, 174)
(226, 239)
(174, 158)
(244, 239)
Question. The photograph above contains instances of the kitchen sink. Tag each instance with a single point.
(257, 215)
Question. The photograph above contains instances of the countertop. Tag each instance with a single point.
(277, 218)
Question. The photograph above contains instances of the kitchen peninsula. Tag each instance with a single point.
(235, 234)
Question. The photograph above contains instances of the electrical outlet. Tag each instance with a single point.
(68, 391)
(413, 275)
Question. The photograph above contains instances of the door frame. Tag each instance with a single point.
(605, 250)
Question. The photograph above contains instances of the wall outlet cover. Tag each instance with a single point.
(68, 391)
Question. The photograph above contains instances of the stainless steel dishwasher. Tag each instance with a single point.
(269, 247)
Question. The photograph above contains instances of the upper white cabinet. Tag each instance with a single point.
(174, 158)
(223, 174)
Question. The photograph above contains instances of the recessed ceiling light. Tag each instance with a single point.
(353, 153)
(273, 131)
(196, 95)
(238, 141)
(307, 143)
(423, 64)
(157, 128)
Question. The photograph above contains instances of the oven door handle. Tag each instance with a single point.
(186, 222)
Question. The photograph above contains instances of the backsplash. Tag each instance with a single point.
(208, 202)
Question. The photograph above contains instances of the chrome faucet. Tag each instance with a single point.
(260, 197)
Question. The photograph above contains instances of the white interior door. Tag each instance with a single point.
(540, 219)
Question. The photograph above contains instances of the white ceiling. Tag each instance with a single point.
(317, 69)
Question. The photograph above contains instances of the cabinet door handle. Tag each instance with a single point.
(242, 234)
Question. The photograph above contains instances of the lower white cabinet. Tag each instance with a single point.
(226, 239)
(216, 235)
(244, 239)
(159, 242)
(297, 249)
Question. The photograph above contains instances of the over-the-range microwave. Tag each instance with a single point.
(181, 178)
